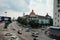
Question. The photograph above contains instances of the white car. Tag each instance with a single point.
(14, 38)
(35, 34)
(42, 28)
(8, 34)
(27, 30)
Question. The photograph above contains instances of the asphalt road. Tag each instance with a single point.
(27, 35)
(42, 36)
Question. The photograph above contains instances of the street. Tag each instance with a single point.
(25, 35)
(28, 35)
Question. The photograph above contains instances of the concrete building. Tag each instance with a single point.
(56, 13)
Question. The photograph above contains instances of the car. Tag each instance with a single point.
(20, 31)
(35, 34)
(14, 38)
(42, 28)
(53, 32)
(27, 30)
(36, 38)
(8, 34)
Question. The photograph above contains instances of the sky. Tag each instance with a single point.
(15, 8)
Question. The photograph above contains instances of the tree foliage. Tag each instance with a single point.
(33, 23)
(21, 20)
(51, 22)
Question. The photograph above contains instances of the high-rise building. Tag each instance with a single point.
(56, 13)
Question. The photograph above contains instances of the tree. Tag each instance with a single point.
(6, 24)
(51, 22)
(21, 20)
(33, 23)
(42, 23)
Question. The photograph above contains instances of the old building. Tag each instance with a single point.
(41, 19)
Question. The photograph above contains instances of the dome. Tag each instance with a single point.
(47, 15)
(32, 13)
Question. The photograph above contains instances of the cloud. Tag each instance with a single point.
(40, 7)
(40, 1)
(16, 5)
(50, 7)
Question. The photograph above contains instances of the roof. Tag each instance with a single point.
(54, 27)
(39, 16)
(47, 15)
(32, 14)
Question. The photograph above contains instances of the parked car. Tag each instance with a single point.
(53, 32)
(8, 34)
(20, 31)
(14, 38)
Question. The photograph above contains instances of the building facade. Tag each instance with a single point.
(41, 19)
(56, 13)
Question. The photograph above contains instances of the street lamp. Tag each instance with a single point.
(5, 20)
(5, 13)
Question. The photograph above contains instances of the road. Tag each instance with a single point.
(27, 35)
(2, 25)
(24, 36)
(16, 27)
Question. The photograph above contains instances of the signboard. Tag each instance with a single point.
(6, 19)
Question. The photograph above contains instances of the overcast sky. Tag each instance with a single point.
(15, 8)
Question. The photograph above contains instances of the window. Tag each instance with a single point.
(58, 15)
(55, 13)
(55, 22)
(58, 10)
(58, 6)
(58, 1)
(58, 20)
(55, 18)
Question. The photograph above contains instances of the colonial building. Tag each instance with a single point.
(41, 19)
